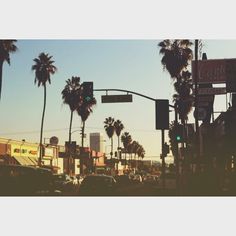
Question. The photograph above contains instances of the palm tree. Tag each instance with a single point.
(71, 95)
(177, 55)
(6, 47)
(110, 129)
(135, 148)
(84, 110)
(126, 139)
(43, 68)
(118, 128)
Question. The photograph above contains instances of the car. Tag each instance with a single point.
(17, 180)
(97, 185)
(150, 180)
(63, 182)
(123, 180)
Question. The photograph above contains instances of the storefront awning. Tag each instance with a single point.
(26, 161)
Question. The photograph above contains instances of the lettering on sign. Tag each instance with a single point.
(116, 98)
(214, 71)
(211, 91)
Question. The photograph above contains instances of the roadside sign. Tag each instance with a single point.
(214, 71)
(203, 104)
(209, 98)
(117, 98)
(211, 91)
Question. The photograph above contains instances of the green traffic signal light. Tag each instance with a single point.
(178, 138)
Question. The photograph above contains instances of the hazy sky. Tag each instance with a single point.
(120, 64)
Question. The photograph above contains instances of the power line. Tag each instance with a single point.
(63, 129)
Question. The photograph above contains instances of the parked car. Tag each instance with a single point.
(150, 180)
(96, 185)
(123, 180)
(137, 179)
(63, 182)
(17, 180)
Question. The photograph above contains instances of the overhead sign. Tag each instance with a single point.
(117, 98)
(209, 98)
(211, 91)
(214, 71)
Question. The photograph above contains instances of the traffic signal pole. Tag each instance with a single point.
(196, 107)
(163, 158)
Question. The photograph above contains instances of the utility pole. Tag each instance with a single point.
(196, 105)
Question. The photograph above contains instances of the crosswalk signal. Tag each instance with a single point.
(87, 91)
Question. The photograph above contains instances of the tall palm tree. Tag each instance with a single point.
(110, 130)
(43, 68)
(177, 55)
(118, 128)
(126, 139)
(6, 47)
(135, 148)
(84, 110)
(71, 95)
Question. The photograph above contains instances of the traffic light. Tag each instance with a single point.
(179, 133)
(162, 114)
(87, 91)
(166, 150)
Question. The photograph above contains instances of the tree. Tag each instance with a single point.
(110, 129)
(6, 47)
(126, 139)
(71, 95)
(118, 128)
(84, 110)
(43, 68)
(176, 57)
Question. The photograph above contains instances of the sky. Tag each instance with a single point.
(133, 65)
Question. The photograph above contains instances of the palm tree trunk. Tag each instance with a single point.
(1, 65)
(41, 132)
(111, 147)
(83, 128)
(82, 144)
(69, 158)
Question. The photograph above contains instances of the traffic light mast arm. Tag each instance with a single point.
(127, 91)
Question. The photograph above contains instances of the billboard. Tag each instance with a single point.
(214, 71)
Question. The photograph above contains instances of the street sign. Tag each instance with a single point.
(209, 98)
(211, 91)
(116, 98)
(214, 71)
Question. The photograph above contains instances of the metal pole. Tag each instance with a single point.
(196, 105)
(163, 158)
(177, 151)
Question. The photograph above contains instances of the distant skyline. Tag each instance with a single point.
(122, 64)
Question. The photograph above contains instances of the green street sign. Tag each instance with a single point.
(116, 98)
